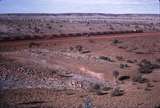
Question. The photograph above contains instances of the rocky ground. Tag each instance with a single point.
(116, 71)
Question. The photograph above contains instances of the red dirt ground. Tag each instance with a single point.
(60, 73)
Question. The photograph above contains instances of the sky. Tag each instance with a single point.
(80, 6)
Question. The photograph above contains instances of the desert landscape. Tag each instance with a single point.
(21, 26)
(79, 61)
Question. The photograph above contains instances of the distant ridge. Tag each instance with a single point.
(76, 14)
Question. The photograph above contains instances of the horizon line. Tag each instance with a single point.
(80, 13)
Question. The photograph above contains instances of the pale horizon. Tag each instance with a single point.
(81, 6)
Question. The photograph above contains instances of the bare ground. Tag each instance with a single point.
(75, 72)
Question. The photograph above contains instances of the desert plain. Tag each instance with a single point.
(79, 61)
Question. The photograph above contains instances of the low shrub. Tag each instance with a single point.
(139, 78)
(157, 106)
(117, 91)
(147, 67)
(100, 89)
(158, 60)
(122, 66)
(88, 103)
(106, 58)
(120, 58)
(116, 41)
(79, 48)
(31, 44)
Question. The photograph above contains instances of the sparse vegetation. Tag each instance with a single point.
(106, 58)
(70, 92)
(157, 106)
(88, 103)
(139, 52)
(37, 30)
(79, 48)
(148, 86)
(158, 60)
(91, 41)
(18, 29)
(33, 44)
(61, 26)
(147, 89)
(100, 89)
(62, 73)
(102, 92)
(96, 86)
(139, 78)
(122, 47)
(122, 66)
(60, 56)
(5, 105)
(116, 41)
(117, 91)
(146, 66)
(49, 27)
(71, 48)
(120, 58)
